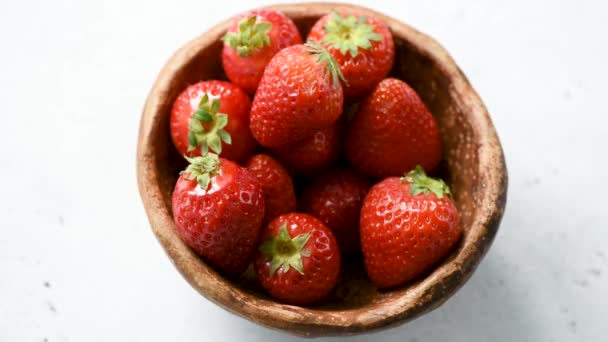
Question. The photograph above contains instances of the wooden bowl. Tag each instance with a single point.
(473, 165)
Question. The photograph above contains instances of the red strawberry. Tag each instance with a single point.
(336, 199)
(209, 113)
(252, 41)
(393, 131)
(313, 154)
(276, 183)
(407, 225)
(299, 260)
(299, 94)
(362, 46)
(218, 208)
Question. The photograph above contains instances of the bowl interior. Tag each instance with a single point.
(355, 296)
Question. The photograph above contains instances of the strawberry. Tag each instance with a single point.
(299, 94)
(279, 196)
(299, 260)
(312, 155)
(212, 115)
(336, 199)
(407, 225)
(251, 42)
(392, 131)
(362, 46)
(218, 208)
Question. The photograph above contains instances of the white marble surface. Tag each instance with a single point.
(79, 263)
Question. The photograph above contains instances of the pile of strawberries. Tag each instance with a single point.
(325, 118)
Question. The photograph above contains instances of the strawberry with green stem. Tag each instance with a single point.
(212, 116)
(299, 259)
(218, 208)
(251, 42)
(408, 224)
(299, 94)
(362, 46)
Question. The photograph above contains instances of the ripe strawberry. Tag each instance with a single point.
(209, 113)
(299, 260)
(312, 155)
(218, 208)
(252, 41)
(336, 199)
(299, 94)
(392, 131)
(279, 196)
(407, 225)
(362, 46)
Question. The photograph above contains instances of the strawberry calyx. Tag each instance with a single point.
(249, 37)
(421, 183)
(285, 252)
(202, 169)
(212, 136)
(349, 33)
(323, 56)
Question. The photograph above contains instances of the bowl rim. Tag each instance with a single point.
(429, 293)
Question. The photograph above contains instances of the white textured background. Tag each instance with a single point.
(78, 261)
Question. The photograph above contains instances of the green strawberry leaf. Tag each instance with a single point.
(324, 57)
(211, 137)
(202, 169)
(420, 183)
(249, 37)
(349, 34)
(285, 252)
